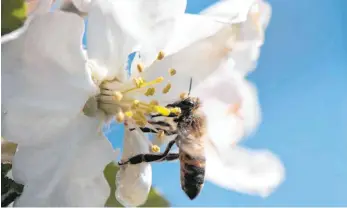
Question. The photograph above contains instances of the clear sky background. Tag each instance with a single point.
(302, 82)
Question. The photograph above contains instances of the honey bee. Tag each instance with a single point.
(189, 130)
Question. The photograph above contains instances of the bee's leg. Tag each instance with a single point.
(171, 156)
(148, 157)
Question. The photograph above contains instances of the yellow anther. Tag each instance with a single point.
(150, 91)
(136, 103)
(176, 110)
(129, 114)
(162, 110)
(161, 55)
(155, 148)
(140, 67)
(118, 96)
(138, 82)
(154, 102)
(167, 88)
(120, 117)
(172, 71)
(160, 134)
(159, 79)
(183, 95)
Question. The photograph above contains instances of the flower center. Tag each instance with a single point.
(119, 99)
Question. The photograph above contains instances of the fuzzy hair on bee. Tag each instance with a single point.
(189, 128)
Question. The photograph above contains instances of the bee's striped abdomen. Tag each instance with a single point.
(192, 174)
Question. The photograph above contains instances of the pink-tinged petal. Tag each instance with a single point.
(255, 172)
(196, 61)
(45, 83)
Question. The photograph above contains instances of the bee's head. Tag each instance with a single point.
(187, 105)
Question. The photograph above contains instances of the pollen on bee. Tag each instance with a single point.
(140, 67)
(176, 110)
(155, 148)
(120, 117)
(161, 55)
(183, 95)
(172, 71)
(167, 88)
(118, 95)
(150, 91)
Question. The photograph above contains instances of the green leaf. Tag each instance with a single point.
(154, 199)
(13, 15)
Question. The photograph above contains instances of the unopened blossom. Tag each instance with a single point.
(56, 99)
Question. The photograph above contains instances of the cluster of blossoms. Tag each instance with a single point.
(58, 96)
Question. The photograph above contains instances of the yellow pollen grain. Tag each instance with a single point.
(129, 114)
(167, 88)
(183, 95)
(140, 67)
(155, 148)
(161, 55)
(154, 102)
(120, 117)
(150, 91)
(172, 72)
(118, 96)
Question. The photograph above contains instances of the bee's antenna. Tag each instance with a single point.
(190, 85)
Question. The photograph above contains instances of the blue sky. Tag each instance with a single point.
(301, 79)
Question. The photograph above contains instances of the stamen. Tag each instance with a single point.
(167, 88)
(162, 110)
(150, 91)
(140, 68)
(141, 123)
(138, 82)
(118, 95)
(172, 71)
(161, 55)
(183, 95)
(155, 148)
(136, 104)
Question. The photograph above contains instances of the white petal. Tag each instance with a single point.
(115, 27)
(251, 37)
(229, 10)
(134, 181)
(39, 7)
(255, 172)
(68, 171)
(44, 77)
(174, 35)
(196, 61)
(231, 105)
(82, 5)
